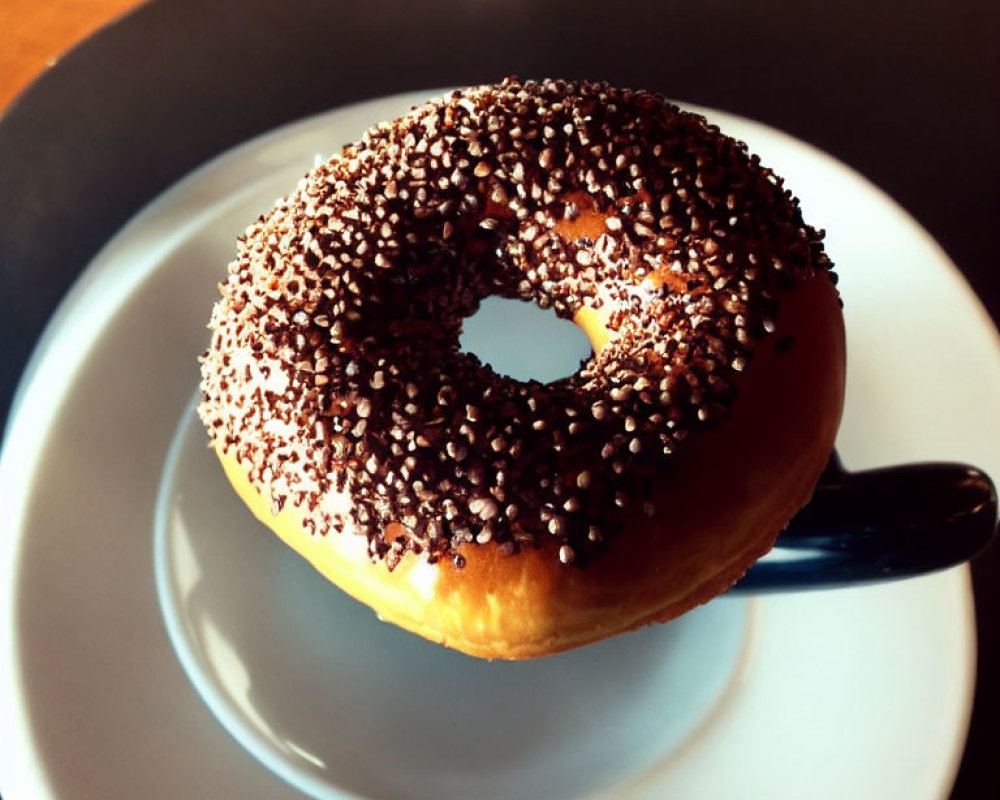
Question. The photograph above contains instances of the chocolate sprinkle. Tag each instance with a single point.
(335, 362)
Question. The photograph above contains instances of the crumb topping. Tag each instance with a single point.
(335, 363)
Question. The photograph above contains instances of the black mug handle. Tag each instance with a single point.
(881, 524)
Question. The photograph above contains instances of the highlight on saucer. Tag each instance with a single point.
(507, 518)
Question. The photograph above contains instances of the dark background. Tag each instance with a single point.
(908, 93)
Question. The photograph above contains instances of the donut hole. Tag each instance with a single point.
(524, 341)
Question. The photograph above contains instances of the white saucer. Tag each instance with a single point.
(854, 693)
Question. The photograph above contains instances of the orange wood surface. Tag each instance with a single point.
(35, 33)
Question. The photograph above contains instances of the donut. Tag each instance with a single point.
(516, 519)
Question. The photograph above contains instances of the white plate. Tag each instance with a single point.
(854, 693)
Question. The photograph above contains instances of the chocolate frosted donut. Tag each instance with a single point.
(349, 418)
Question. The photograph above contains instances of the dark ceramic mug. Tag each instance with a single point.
(880, 524)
